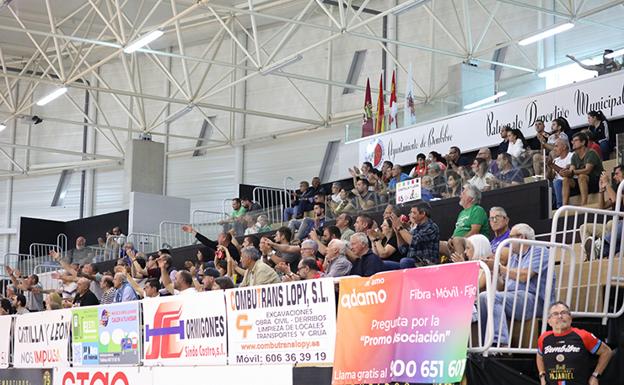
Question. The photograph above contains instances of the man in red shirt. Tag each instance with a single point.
(564, 351)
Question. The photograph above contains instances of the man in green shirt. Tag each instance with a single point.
(471, 220)
(584, 171)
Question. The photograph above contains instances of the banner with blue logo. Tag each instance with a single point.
(106, 334)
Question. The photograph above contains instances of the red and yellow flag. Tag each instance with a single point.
(394, 108)
(379, 122)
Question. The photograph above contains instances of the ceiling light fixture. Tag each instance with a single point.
(278, 65)
(180, 113)
(2, 127)
(485, 101)
(143, 41)
(51, 96)
(547, 33)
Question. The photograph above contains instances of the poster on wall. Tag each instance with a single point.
(408, 326)
(285, 323)
(103, 376)
(481, 128)
(42, 342)
(188, 329)
(5, 340)
(106, 335)
(26, 376)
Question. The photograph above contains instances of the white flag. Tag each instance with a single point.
(409, 113)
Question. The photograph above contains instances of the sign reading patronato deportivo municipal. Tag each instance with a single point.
(41, 340)
(481, 128)
(186, 329)
(284, 323)
(405, 326)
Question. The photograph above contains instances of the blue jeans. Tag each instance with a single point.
(605, 148)
(558, 190)
(303, 227)
(501, 328)
(406, 263)
(607, 240)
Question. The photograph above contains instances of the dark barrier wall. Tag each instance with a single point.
(36, 230)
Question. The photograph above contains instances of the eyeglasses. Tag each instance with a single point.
(496, 218)
(560, 313)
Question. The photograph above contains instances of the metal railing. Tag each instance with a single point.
(144, 242)
(528, 288)
(45, 273)
(208, 223)
(274, 197)
(172, 236)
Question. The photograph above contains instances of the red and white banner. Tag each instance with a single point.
(5, 340)
(286, 323)
(42, 341)
(481, 128)
(103, 376)
(185, 330)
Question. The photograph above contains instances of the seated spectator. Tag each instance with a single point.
(591, 142)
(84, 296)
(363, 223)
(384, 244)
(471, 220)
(302, 202)
(6, 308)
(317, 187)
(362, 172)
(378, 187)
(504, 145)
(223, 283)
(306, 269)
(284, 251)
(455, 159)
(237, 215)
(346, 204)
(420, 169)
(499, 224)
(507, 175)
(426, 188)
(583, 172)
(477, 249)
(336, 262)
(334, 198)
(224, 239)
(81, 254)
(249, 205)
(436, 157)
(397, 176)
(386, 171)
(525, 280)
(307, 225)
(389, 210)
(54, 301)
(562, 158)
(482, 178)
(421, 243)
(261, 225)
(364, 199)
(557, 131)
(329, 233)
(124, 292)
(517, 143)
(605, 137)
(108, 290)
(485, 153)
(439, 183)
(257, 272)
(344, 222)
(454, 185)
(365, 262)
(20, 305)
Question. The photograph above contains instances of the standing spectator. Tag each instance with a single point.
(384, 244)
(482, 178)
(224, 239)
(421, 243)
(336, 263)
(525, 281)
(80, 254)
(420, 169)
(124, 291)
(599, 126)
(562, 160)
(568, 350)
(508, 175)
(84, 296)
(365, 262)
(344, 222)
(108, 290)
(607, 66)
(33, 291)
(257, 272)
(584, 171)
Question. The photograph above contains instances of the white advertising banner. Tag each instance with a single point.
(42, 342)
(5, 340)
(218, 375)
(186, 329)
(408, 191)
(284, 323)
(103, 375)
(481, 128)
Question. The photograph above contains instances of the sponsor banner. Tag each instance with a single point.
(187, 329)
(231, 375)
(481, 128)
(103, 376)
(285, 323)
(106, 335)
(406, 326)
(42, 341)
(5, 340)
(408, 191)
(26, 377)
